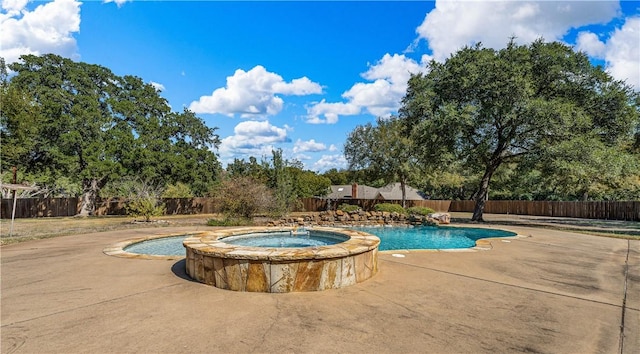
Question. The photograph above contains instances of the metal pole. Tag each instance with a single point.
(13, 212)
(15, 197)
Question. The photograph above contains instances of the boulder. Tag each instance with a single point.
(441, 218)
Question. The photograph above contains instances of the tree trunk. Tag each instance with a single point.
(483, 192)
(403, 187)
(89, 195)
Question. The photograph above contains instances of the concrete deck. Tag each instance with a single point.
(550, 292)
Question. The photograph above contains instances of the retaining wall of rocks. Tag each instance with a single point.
(360, 217)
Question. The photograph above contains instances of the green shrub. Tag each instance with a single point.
(420, 210)
(142, 197)
(242, 198)
(146, 206)
(391, 208)
(178, 190)
(348, 208)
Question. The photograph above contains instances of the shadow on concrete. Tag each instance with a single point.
(179, 269)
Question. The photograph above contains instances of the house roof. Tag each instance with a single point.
(344, 191)
(393, 191)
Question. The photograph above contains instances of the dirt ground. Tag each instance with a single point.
(38, 228)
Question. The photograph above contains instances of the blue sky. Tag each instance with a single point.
(301, 75)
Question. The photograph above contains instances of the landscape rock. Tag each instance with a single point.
(441, 218)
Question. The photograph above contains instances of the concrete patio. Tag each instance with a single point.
(548, 292)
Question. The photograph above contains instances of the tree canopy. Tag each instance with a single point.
(67, 119)
(286, 180)
(384, 150)
(525, 105)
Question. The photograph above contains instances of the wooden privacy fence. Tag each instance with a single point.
(39, 207)
(49, 207)
(608, 210)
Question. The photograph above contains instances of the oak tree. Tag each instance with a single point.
(81, 121)
(489, 107)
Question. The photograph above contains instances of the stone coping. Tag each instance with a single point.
(212, 244)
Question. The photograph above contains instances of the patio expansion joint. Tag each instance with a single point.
(624, 298)
(503, 284)
(275, 320)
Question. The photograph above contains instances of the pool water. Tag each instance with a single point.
(165, 246)
(284, 239)
(431, 237)
(391, 238)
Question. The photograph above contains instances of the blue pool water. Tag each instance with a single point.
(285, 239)
(165, 246)
(391, 238)
(430, 237)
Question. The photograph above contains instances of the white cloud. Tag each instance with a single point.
(454, 24)
(380, 97)
(590, 43)
(331, 111)
(327, 162)
(333, 148)
(157, 86)
(621, 51)
(118, 2)
(302, 157)
(253, 93)
(253, 138)
(49, 28)
(13, 7)
(308, 146)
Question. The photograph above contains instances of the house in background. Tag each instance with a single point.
(352, 191)
(391, 191)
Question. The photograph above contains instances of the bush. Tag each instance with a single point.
(242, 198)
(178, 190)
(142, 197)
(146, 206)
(420, 211)
(389, 207)
(348, 208)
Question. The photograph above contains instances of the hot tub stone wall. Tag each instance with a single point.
(282, 270)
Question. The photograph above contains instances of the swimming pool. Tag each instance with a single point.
(164, 246)
(431, 237)
(391, 238)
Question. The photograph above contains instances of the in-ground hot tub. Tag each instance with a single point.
(352, 259)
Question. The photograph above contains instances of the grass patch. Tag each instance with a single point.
(230, 222)
(42, 228)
